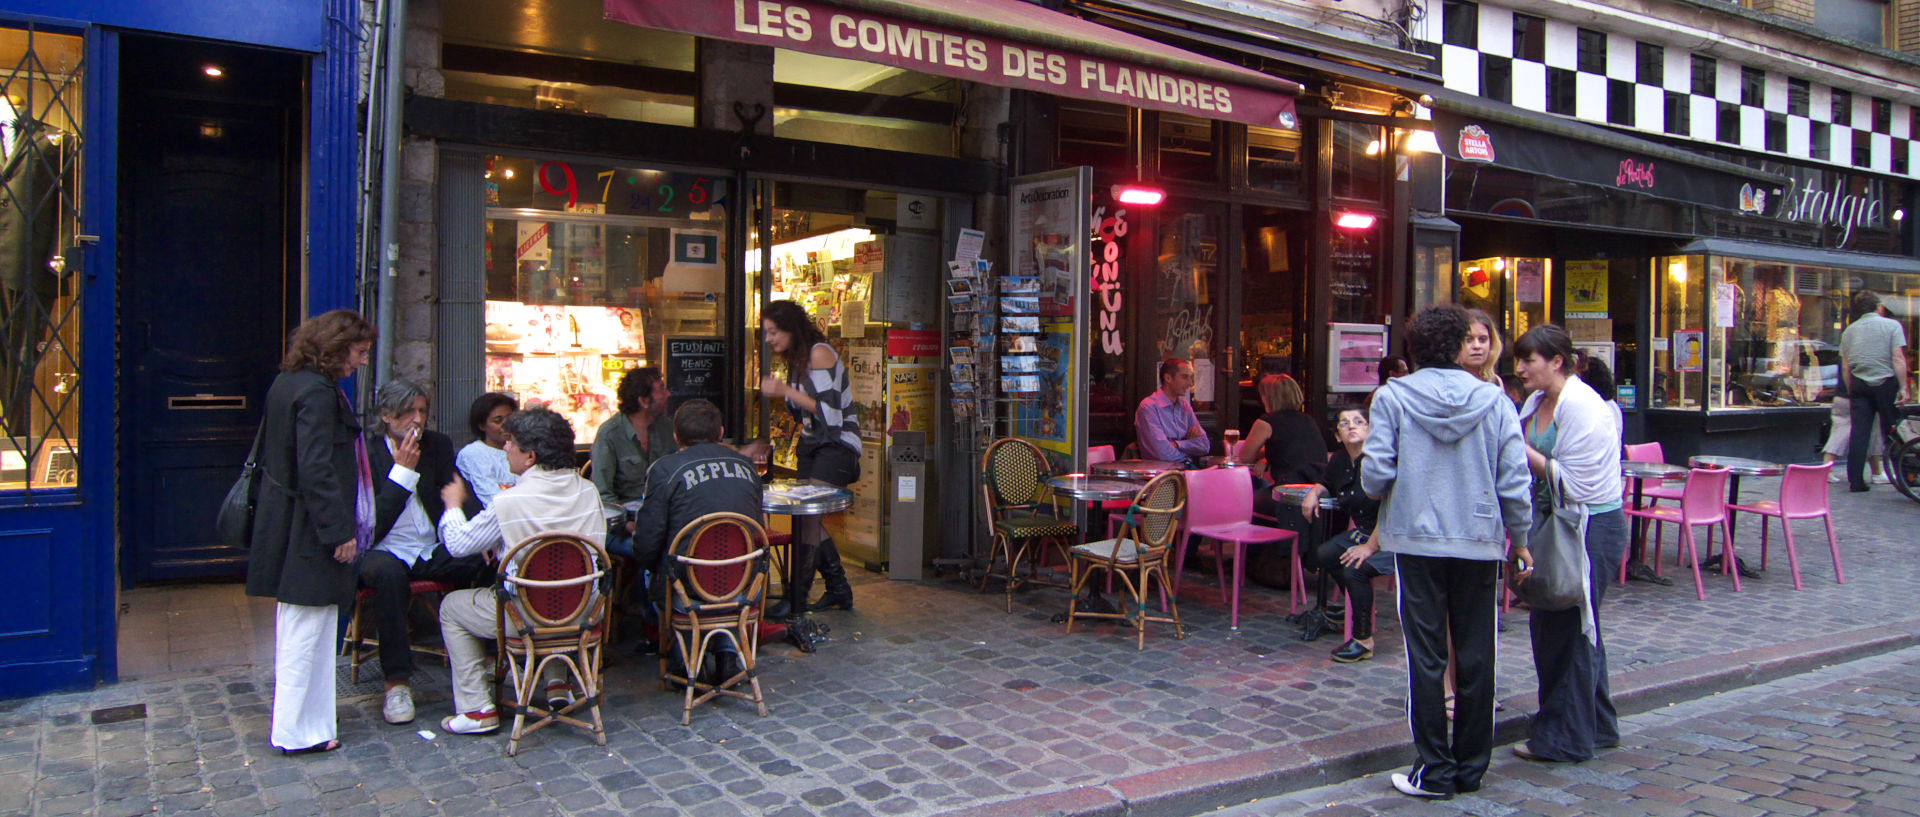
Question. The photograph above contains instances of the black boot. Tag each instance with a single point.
(839, 595)
(797, 591)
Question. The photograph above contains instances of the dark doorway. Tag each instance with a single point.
(209, 267)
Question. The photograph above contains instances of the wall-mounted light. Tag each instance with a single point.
(1420, 141)
(1138, 195)
(1677, 270)
(1355, 221)
(1373, 148)
(214, 71)
(1899, 215)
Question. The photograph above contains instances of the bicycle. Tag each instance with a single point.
(1903, 453)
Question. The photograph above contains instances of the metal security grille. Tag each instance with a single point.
(41, 139)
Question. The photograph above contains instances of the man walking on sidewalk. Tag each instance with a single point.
(1873, 359)
(1447, 458)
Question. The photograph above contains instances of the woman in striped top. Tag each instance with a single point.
(819, 397)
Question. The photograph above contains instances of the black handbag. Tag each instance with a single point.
(234, 523)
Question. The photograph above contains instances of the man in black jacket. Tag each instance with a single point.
(409, 465)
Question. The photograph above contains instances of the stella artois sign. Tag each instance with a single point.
(1475, 144)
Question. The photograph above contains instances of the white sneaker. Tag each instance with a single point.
(1834, 476)
(468, 724)
(1405, 786)
(399, 706)
(1880, 479)
(559, 695)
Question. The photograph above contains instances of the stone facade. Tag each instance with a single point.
(1801, 10)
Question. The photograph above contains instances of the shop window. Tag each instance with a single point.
(1460, 24)
(1620, 102)
(1679, 112)
(1496, 77)
(1188, 148)
(1358, 160)
(1353, 259)
(1274, 160)
(1529, 38)
(1777, 333)
(40, 272)
(1186, 296)
(1753, 86)
(1798, 94)
(1679, 337)
(1562, 90)
(1273, 291)
(1093, 134)
(589, 271)
(1514, 290)
(567, 57)
(1706, 80)
(1652, 65)
(1591, 51)
(895, 109)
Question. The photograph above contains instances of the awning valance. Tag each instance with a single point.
(1009, 43)
(1783, 254)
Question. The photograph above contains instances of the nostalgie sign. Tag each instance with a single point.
(1226, 92)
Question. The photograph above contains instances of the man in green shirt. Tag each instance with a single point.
(628, 443)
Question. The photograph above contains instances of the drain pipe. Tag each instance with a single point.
(365, 270)
(393, 76)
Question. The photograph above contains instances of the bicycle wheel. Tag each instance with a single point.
(1903, 468)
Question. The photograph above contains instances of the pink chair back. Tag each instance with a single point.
(1803, 491)
(1705, 499)
(1219, 496)
(1099, 454)
(1645, 452)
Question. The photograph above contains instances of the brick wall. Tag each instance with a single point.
(1906, 25)
(1801, 10)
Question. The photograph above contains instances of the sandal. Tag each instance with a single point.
(318, 748)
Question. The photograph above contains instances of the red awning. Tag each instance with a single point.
(1009, 43)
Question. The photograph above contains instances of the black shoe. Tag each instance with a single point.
(1640, 572)
(1315, 627)
(1858, 489)
(1352, 651)
(835, 600)
(780, 612)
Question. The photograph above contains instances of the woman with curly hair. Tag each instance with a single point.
(314, 516)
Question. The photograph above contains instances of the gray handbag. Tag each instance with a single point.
(1559, 545)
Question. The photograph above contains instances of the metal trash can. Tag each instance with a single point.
(908, 497)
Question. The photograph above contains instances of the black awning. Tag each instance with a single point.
(1783, 254)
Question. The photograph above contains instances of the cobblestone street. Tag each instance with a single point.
(1840, 740)
(932, 699)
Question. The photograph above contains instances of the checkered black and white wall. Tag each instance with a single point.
(1607, 78)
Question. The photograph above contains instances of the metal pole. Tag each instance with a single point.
(364, 279)
(389, 248)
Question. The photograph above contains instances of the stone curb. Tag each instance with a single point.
(1228, 781)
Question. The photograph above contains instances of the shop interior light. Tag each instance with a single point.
(214, 71)
(1899, 215)
(1355, 221)
(507, 172)
(1138, 195)
(1421, 141)
(1499, 265)
(1677, 270)
(1373, 148)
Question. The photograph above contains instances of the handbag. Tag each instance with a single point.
(234, 523)
(1559, 545)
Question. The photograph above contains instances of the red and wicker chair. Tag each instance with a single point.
(554, 592)
(717, 587)
(358, 646)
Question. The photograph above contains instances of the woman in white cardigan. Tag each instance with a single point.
(1566, 421)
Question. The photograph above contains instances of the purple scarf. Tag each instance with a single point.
(363, 513)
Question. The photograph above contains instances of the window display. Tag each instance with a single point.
(589, 270)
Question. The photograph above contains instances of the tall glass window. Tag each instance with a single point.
(42, 133)
(1680, 338)
(1358, 163)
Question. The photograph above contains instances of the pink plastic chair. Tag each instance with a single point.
(1220, 508)
(1654, 489)
(1702, 502)
(1803, 495)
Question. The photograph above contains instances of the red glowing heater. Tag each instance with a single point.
(1138, 195)
(1355, 221)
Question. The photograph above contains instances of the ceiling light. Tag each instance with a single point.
(1355, 221)
(214, 71)
(1421, 141)
(1138, 195)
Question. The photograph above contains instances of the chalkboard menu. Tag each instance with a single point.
(696, 368)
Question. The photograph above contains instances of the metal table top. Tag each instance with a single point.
(1292, 493)
(1218, 461)
(779, 497)
(1093, 489)
(1651, 470)
(1738, 465)
(1134, 469)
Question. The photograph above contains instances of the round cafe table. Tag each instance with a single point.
(1736, 467)
(1142, 470)
(1639, 472)
(1093, 489)
(806, 500)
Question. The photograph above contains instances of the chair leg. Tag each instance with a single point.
(997, 544)
(1075, 578)
(1220, 567)
(1729, 561)
(1180, 561)
(1686, 539)
(1793, 556)
(1839, 576)
(1239, 574)
(1763, 537)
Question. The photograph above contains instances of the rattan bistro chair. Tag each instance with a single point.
(553, 609)
(1138, 555)
(717, 588)
(1020, 511)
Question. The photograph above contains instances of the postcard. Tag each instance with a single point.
(961, 303)
(1020, 284)
(1022, 364)
(1019, 323)
(1023, 344)
(960, 286)
(1020, 304)
(961, 354)
(1020, 384)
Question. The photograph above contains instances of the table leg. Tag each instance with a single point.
(1639, 540)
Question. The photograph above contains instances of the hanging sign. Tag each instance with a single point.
(954, 49)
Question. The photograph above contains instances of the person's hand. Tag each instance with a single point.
(346, 551)
(454, 493)
(1522, 565)
(407, 453)
(1310, 504)
(757, 450)
(1357, 555)
(629, 528)
(773, 387)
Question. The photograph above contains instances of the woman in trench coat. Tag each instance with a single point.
(314, 515)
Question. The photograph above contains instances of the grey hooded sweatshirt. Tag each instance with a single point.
(1448, 461)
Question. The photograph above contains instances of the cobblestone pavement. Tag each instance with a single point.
(1844, 739)
(930, 698)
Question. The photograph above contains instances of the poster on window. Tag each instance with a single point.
(1587, 289)
(1689, 350)
(1355, 350)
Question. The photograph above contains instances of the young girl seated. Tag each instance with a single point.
(1350, 556)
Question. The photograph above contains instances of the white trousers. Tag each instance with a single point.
(303, 675)
(466, 618)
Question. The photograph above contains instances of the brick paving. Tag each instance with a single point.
(1843, 739)
(930, 698)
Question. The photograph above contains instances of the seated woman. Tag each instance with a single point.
(1350, 556)
(1284, 447)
